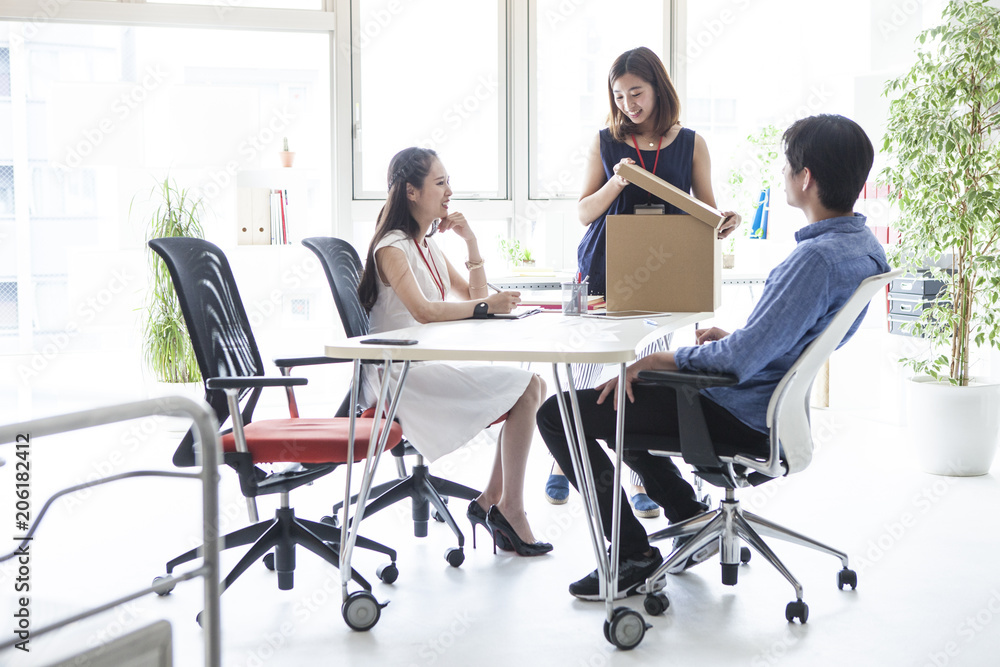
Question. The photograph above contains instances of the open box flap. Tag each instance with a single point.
(633, 173)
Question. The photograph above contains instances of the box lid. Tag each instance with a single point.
(651, 183)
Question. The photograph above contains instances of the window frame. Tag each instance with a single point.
(505, 36)
(536, 190)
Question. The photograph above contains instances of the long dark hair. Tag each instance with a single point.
(646, 65)
(410, 165)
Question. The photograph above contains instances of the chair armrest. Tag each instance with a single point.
(292, 362)
(255, 381)
(696, 443)
(688, 378)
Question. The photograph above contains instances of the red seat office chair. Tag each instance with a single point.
(232, 369)
(342, 267)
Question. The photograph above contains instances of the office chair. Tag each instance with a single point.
(232, 369)
(791, 448)
(342, 266)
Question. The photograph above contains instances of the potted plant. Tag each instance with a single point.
(167, 347)
(514, 253)
(945, 165)
(750, 186)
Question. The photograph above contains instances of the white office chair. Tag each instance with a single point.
(791, 448)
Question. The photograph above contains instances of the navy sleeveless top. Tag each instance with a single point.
(674, 167)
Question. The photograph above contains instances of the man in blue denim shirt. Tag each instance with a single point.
(828, 159)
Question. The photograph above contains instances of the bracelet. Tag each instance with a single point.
(483, 286)
(475, 265)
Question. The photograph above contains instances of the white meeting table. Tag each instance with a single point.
(547, 337)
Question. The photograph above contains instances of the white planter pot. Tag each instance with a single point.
(954, 430)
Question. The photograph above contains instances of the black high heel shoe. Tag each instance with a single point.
(477, 517)
(502, 530)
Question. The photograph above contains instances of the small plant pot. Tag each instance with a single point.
(286, 157)
(728, 260)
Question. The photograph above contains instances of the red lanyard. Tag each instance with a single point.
(436, 278)
(643, 162)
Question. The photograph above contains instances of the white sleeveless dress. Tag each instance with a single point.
(443, 404)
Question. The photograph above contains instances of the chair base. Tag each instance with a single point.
(282, 534)
(423, 490)
(729, 524)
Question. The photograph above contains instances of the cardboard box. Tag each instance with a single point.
(669, 263)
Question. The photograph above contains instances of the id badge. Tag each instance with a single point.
(649, 209)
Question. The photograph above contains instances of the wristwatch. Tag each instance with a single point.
(481, 311)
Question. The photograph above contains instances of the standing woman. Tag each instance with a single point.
(644, 129)
(406, 281)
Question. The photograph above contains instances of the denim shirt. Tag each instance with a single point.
(800, 297)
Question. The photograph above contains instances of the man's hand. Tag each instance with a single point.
(703, 336)
(659, 361)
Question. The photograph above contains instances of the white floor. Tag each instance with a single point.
(924, 548)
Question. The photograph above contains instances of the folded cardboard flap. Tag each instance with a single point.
(672, 194)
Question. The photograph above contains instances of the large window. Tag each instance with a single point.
(96, 115)
(752, 65)
(573, 47)
(432, 73)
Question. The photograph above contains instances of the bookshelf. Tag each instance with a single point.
(272, 205)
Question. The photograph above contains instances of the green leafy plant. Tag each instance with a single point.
(514, 251)
(945, 167)
(761, 170)
(167, 347)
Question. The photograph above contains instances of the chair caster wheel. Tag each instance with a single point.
(797, 609)
(164, 585)
(331, 521)
(361, 611)
(655, 604)
(626, 628)
(455, 556)
(269, 561)
(745, 555)
(847, 577)
(388, 573)
(437, 516)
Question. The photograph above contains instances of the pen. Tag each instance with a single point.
(494, 287)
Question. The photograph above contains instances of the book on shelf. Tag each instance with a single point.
(262, 216)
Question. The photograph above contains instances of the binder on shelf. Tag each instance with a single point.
(260, 216)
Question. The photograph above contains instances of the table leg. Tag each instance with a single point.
(376, 445)
(607, 567)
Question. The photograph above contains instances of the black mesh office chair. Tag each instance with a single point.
(232, 369)
(791, 449)
(342, 266)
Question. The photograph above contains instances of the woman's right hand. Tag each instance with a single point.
(621, 181)
(503, 302)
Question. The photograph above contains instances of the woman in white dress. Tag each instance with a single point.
(407, 280)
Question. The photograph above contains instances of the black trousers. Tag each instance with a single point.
(654, 412)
